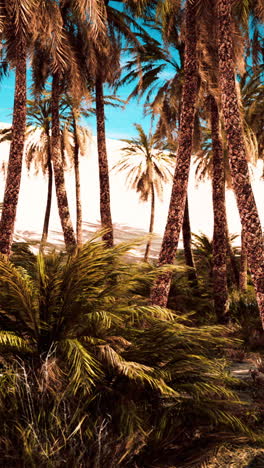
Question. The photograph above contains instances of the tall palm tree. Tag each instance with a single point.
(103, 67)
(56, 54)
(38, 145)
(159, 77)
(243, 265)
(62, 199)
(220, 221)
(252, 100)
(81, 137)
(148, 167)
(18, 23)
(237, 153)
(39, 116)
(37, 148)
(160, 290)
(105, 205)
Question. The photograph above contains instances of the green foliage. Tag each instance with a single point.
(93, 375)
(146, 163)
(244, 314)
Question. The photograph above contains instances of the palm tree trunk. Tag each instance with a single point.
(238, 164)
(187, 243)
(13, 179)
(243, 265)
(233, 261)
(62, 200)
(161, 288)
(151, 224)
(77, 187)
(49, 198)
(105, 207)
(219, 206)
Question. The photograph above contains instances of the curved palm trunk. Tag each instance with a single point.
(62, 200)
(187, 245)
(161, 288)
(243, 265)
(13, 179)
(49, 199)
(238, 164)
(232, 259)
(105, 207)
(151, 224)
(220, 224)
(77, 187)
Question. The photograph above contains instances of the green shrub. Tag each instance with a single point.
(93, 376)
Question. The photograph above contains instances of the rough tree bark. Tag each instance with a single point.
(160, 291)
(105, 207)
(220, 290)
(243, 265)
(238, 164)
(77, 186)
(49, 197)
(234, 271)
(13, 179)
(151, 224)
(187, 245)
(62, 200)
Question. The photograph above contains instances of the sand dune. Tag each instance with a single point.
(130, 217)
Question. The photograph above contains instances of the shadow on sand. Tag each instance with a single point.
(122, 233)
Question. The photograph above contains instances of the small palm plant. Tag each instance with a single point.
(148, 168)
(91, 372)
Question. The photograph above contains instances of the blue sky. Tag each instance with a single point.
(119, 122)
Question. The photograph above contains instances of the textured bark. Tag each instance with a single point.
(220, 223)
(13, 179)
(49, 197)
(243, 265)
(238, 164)
(62, 200)
(151, 224)
(233, 261)
(77, 188)
(105, 207)
(161, 288)
(187, 245)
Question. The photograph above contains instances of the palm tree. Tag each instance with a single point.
(252, 91)
(38, 146)
(54, 304)
(160, 291)
(56, 54)
(220, 221)
(237, 153)
(81, 137)
(16, 40)
(148, 167)
(105, 205)
(103, 67)
(38, 149)
(71, 340)
(62, 199)
(160, 77)
(243, 265)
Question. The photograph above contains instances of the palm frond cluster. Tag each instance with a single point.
(91, 372)
(95, 370)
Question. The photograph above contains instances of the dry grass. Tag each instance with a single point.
(237, 457)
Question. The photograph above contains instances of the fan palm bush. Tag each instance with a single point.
(92, 375)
